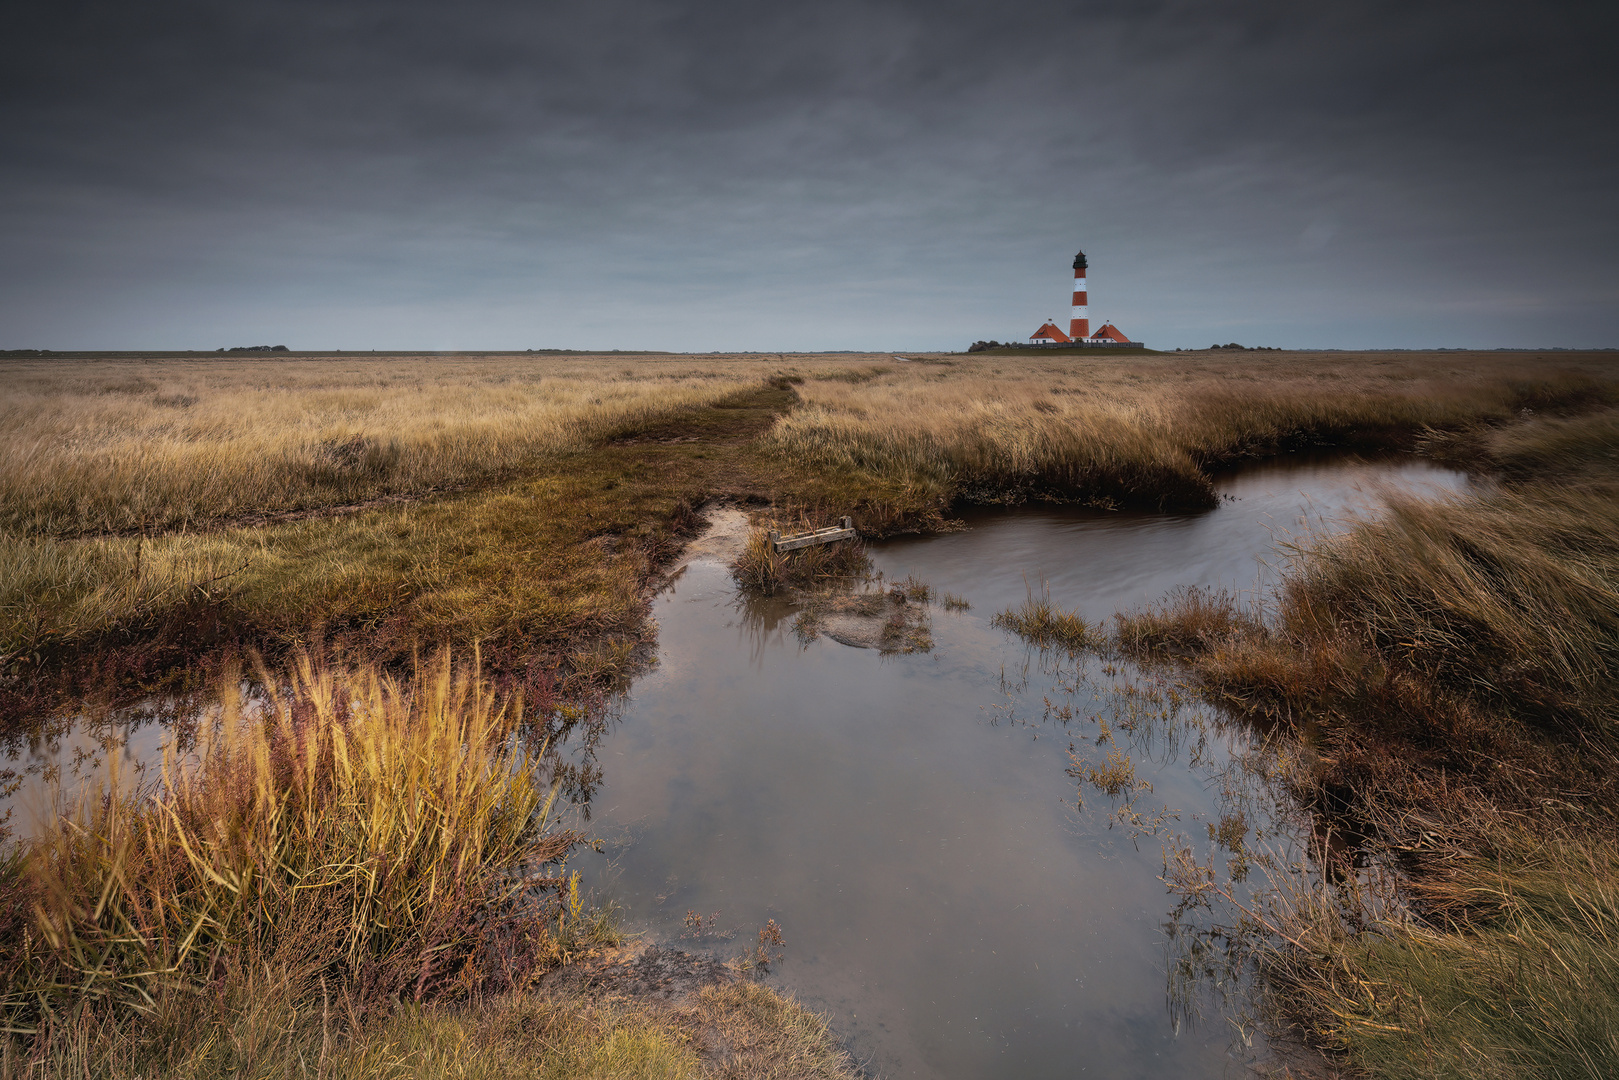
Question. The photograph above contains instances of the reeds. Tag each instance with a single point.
(1442, 680)
(1511, 601)
(1187, 622)
(1042, 623)
(1469, 624)
(389, 837)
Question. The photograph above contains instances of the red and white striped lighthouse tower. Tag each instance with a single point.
(1079, 325)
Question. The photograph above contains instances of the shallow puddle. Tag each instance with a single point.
(910, 821)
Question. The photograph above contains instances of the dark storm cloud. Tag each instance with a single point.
(831, 175)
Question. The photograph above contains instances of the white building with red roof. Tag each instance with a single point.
(1112, 333)
(1048, 334)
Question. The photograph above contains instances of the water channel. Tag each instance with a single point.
(911, 821)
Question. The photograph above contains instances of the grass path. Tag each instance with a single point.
(555, 562)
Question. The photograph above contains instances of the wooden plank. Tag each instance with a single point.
(844, 530)
(792, 543)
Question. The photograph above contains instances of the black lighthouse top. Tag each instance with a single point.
(1079, 261)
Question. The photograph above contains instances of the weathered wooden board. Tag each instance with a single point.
(844, 530)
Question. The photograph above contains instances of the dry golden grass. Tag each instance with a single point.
(558, 551)
(121, 445)
(1145, 429)
(527, 500)
(352, 875)
(1185, 623)
(1445, 681)
(117, 445)
(580, 474)
(1477, 636)
(727, 1031)
(769, 1037)
(391, 834)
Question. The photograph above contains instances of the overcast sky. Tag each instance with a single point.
(822, 175)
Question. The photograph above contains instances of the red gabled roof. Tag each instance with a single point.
(1111, 332)
(1051, 332)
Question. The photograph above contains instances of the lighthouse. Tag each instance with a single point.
(1079, 324)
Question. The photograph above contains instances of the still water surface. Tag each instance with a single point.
(910, 821)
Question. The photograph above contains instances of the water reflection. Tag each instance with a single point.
(967, 874)
(915, 823)
(45, 762)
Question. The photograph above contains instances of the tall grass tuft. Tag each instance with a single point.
(1509, 602)
(387, 836)
(1189, 621)
(1041, 622)
(1478, 634)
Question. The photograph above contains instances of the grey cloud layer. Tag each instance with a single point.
(640, 174)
